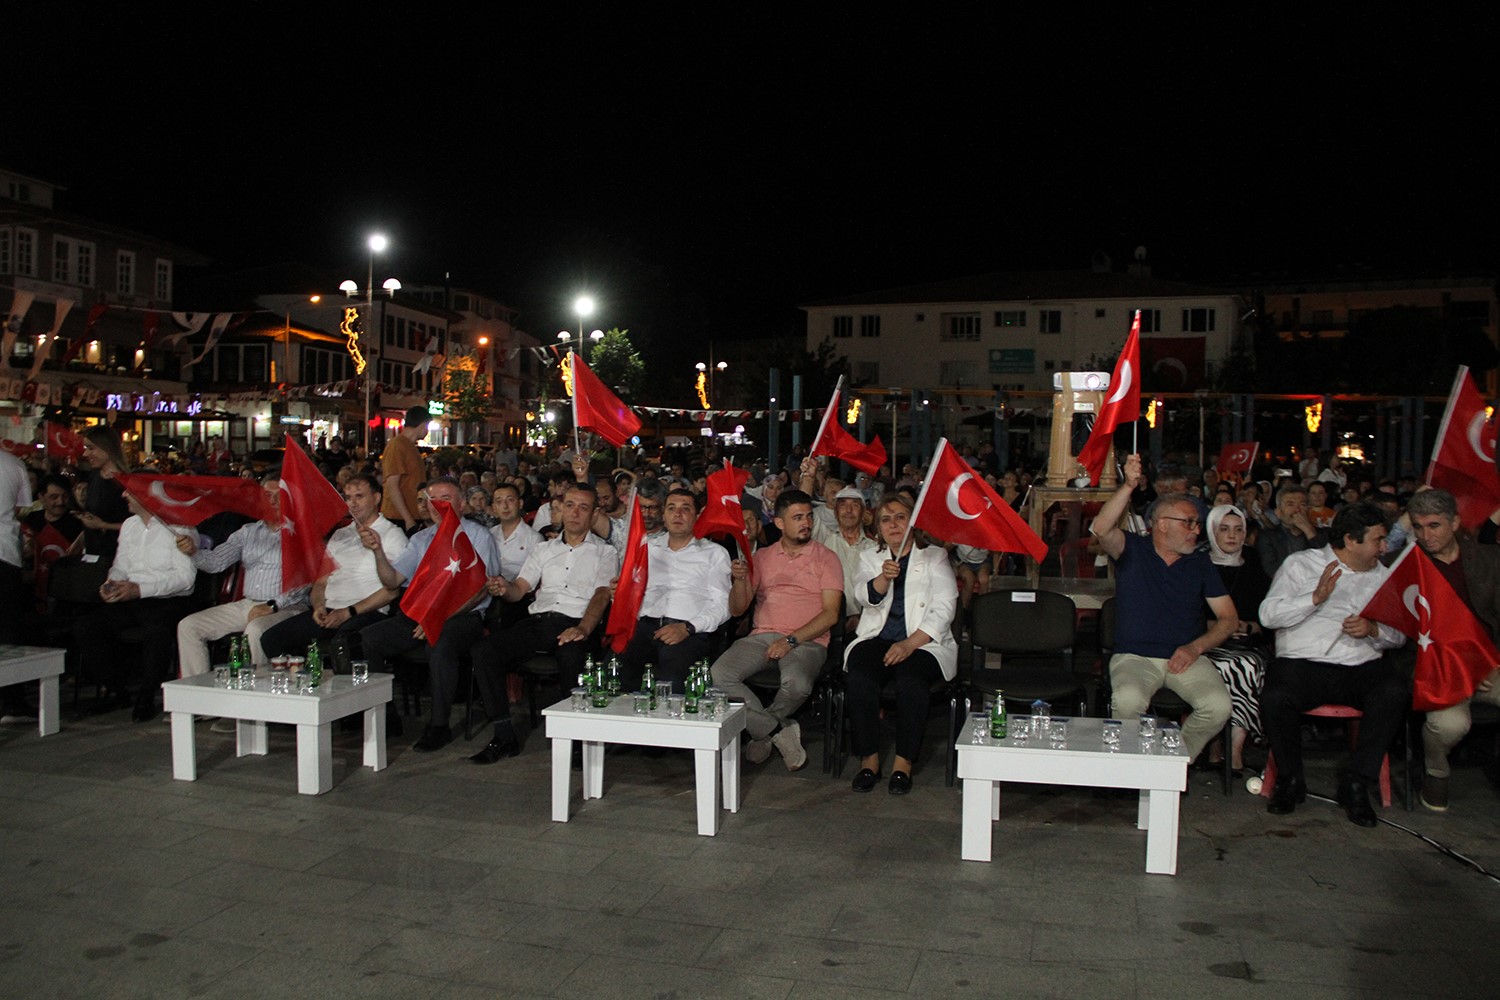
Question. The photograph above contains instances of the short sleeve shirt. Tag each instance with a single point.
(1160, 607)
(401, 458)
(789, 591)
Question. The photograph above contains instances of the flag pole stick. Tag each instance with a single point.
(926, 482)
(823, 424)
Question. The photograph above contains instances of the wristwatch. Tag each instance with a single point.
(791, 640)
(690, 628)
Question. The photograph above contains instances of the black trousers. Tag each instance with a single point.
(150, 621)
(867, 675)
(293, 636)
(670, 663)
(391, 638)
(1378, 689)
(500, 653)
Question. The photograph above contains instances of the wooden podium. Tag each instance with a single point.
(1078, 399)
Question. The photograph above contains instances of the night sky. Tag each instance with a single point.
(703, 176)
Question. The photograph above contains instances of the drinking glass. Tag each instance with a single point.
(580, 699)
(247, 679)
(1171, 736)
(221, 676)
(641, 702)
(980, 730)
(663, 690)
(1041, 712)
(1148, 731)
(1057, 733)
(1020, 729)
(674, 706)
(1111, 733)
(281, 681)
(361, 671)
(714, 703)
(304, 682)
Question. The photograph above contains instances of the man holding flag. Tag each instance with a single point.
(1473, 574)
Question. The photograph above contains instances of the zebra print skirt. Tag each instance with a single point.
(1244, 673)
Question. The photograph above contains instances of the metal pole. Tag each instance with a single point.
(797, 408)
(773, 427)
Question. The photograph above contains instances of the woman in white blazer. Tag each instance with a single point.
(905, 631)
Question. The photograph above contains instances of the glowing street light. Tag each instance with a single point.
(377, 244)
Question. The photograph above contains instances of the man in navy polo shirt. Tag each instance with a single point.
(1161, 586)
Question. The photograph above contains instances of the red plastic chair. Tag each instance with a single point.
(1268, 782)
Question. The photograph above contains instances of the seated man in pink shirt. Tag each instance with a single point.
(793, 576)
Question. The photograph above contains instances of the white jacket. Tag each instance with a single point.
(931, 597)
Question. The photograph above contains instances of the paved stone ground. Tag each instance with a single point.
(437, 878)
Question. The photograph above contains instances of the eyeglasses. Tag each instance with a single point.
(1191, 522)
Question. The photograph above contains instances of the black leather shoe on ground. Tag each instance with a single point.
(900, 783)
(433, 738)
(495, 750)
(1354, 796)
(1286, 796)
(865, 780)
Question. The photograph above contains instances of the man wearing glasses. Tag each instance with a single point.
(1162, 583)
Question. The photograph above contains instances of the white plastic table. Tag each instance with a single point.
(312, 714)
(1160, 775)
(19, 664)
(715, 744)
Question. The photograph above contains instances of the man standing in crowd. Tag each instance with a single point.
(687, 599)
(1293, 532)
(793, 575)
(1474, 572)
(570, 575)
(401, 469)
(352, 596)
(1327, 654)
(258, 547)
(1162, 582)
(398, 634)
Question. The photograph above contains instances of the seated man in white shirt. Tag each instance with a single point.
(352, 596)
(258, 547)
(687, 599)
(150, 587)
(515, 539)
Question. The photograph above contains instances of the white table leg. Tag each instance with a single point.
(375, 738)
(706, 768)
(562, 759)
(249, 737)
(1142, 810)
(47, 706)
(314, 758)
(593, 771)
(730, 764)
(978, 798)
(995, 802)
(184, 751)
(1161, 833)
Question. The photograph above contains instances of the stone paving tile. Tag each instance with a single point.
(634, 936)
(630, 979)
(499, 963)
(948, 974)
(829, 960)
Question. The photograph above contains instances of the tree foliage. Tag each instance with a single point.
(617, 363)
(466, 393)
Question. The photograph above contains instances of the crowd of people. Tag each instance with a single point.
(1241, 597)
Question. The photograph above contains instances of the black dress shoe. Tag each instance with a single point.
(900, 783)
(865, 780)
(495, 749)
(433, 738)
(1288, 793)
(1354, 796)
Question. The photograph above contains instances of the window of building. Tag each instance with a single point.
(1010, 317)
(26, 252)
(72, 262)
(5, 251)
(958, 373)
(921, 317)
(1198, 320)
(324, 365)
(125, 272)
(1049, 320)
(1098, 313)
(869, 326)
(1151, 321)
(960, 326)
(843, 326)
(164, 279)
(20, 191)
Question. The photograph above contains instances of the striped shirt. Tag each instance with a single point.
(258, 547)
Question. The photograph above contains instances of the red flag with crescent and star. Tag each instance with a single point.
(1454, 651)
(835, 442)
(957, 505)
(63, 443)
(630, 592)
(194, 499)
(1123, 405)
(723, 514)
(1237, 456)
(449, 575)
(1463, 457)
(597, 409)
(310, 509)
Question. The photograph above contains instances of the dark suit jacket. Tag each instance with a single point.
(1482, 574)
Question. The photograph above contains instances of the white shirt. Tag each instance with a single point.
(849, 558)
(690, 584)
(515, 550)
(148, 557)
(15, 491)
(565, 576)
(355, 577)
(1308, 632)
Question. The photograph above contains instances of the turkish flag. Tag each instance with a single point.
(448, 576)
(630, 592)
(1238, 456)
(1454, 650)
(194, 499)
(597, 409)
(1463, 458)
(47, 546)
(310, 508)
(835, 442)
(1122, 407)
(63, 443)
(968, 511)
(722, 512)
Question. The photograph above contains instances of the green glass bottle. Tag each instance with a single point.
(648, 685)
(314, 665)
(236, 655)
(998, 723)
(614, 677)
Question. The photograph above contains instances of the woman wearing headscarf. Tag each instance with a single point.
(1241, 661)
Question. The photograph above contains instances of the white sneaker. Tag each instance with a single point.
(789, 743)
(758, 751)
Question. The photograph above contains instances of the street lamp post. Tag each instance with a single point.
(710, 370)
(377, 244)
